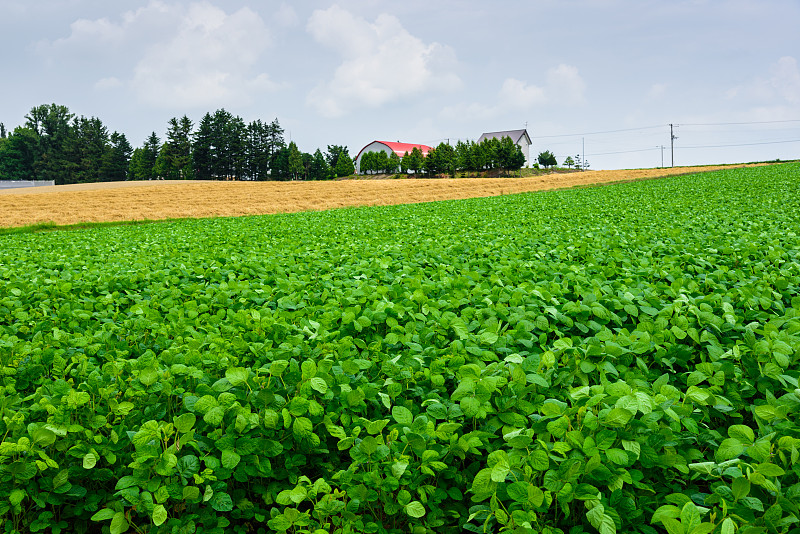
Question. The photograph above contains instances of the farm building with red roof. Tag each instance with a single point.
(388, 146)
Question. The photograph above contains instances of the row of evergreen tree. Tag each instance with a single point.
(54, 144)
(466, 156)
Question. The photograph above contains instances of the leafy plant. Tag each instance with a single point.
(616, 359)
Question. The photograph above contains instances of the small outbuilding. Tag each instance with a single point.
(388, 146)
(519, 137)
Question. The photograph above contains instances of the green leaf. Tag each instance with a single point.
(617, 418)
(221, 502)
(770, 470)
(90, 460)
(600, 520)
(368, 445)
(119, 524)
(728, 526)
(237, 375)
(415, 509)
(617, 456)
(740, 487)
(743, 433)
(230, 459)
(319, 385)
(518, 491)
(482, 484)
(539, 460)
(214, 416)
(398, 468)
(184, 422)
(765, 412)
(690, 516)
(665, 511)
(103, 514)
(16, 497)
(43, 437)
(159, 514)
(673, 526)
(402, 415)
(728, 449)
(302, 428)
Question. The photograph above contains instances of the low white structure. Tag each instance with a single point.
(519, 137)
(15, 184)
(388, 146)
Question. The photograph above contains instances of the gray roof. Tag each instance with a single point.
(515, 135)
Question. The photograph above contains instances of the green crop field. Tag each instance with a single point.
(616, 359)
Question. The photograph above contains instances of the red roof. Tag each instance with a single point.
(400, 148)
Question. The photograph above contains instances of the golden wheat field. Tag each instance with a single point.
(155, 200)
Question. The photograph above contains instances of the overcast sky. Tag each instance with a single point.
(354, 71)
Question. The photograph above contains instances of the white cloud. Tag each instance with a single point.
(206, 61)
(563, 86)
(657, 90)
(781, 87)
(286, 15)
(186, 55)
(518, 94)
(105, 84)
(786, 79)
(382, 62)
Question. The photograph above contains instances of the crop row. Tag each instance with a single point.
(616, 359)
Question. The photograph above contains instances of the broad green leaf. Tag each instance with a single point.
(728, 526)
(765, 412)
(185, 422)
(518, 491)
(690, 516)
(221, 502)
(237, 375)
(665, 511)
(539, 460)
(402, 415)
(673, 526)
(740, 487)
(214, 416)
(729, 448)
(119, 524)
(302, 428)
(319, 385)
(617, 418)
(230, 459)
(415, 509)
(104, 514)
(743, 433)
(90, 460)
(159, 514)
(399, 467)
(16, 497)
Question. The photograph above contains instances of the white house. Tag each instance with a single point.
(519, 137)
(388, 146)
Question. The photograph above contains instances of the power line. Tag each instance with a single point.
(624, 151)
(736, 123)
(597, 133)
(745, 144)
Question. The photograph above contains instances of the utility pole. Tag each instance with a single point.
(583, 151)
(672, 144)
(662, 155)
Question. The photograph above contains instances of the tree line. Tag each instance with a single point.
(466, 156)
(54, 144)
(547, 159)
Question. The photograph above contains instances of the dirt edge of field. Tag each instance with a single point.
(161, 200)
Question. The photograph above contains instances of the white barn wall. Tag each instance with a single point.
(375, 146)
